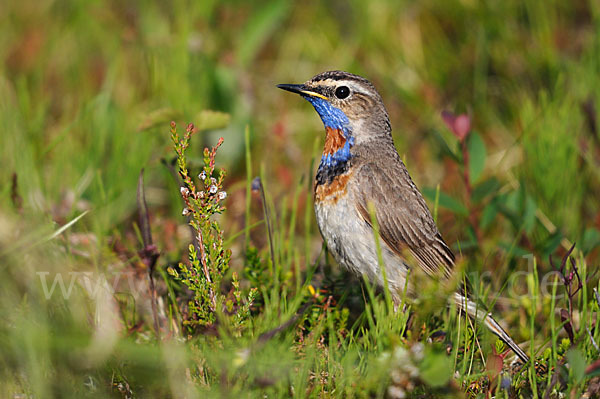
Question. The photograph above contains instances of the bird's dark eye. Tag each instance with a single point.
(342, 92)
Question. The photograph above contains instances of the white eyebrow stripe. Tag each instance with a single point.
(353, 85)
(358, 88)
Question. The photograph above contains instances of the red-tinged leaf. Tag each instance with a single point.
(593, 368)
(564, 317)
(448, 118)
(459, 125)
(494, 365)
(462, 126)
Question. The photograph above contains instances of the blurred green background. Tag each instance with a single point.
(88, 86)
(87, 89)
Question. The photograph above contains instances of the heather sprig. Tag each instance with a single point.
(208, 260)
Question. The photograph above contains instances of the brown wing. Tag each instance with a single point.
(405, 222)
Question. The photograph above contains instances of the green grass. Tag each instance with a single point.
(87, 91)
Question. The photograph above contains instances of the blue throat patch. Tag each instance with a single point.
(333, 118)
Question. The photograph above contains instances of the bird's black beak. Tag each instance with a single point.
(291, 87)
(301, 89)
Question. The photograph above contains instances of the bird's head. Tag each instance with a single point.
(347, 103)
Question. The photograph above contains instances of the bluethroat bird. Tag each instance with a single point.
(361, 171)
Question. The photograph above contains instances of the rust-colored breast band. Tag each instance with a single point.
(330, 193)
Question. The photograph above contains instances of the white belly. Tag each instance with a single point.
(351, 241)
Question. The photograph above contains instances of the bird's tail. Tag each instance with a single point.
(479, 313)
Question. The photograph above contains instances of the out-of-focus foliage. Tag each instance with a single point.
(87, 91)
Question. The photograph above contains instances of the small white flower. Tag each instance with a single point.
(222, 195)
(200, 195)
(213, 180)
(185, 211)
(184, 191)
(418, 351)
(213, 189)
(202, 175)
(396, 392)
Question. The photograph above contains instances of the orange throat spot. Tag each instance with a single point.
(333, 141)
